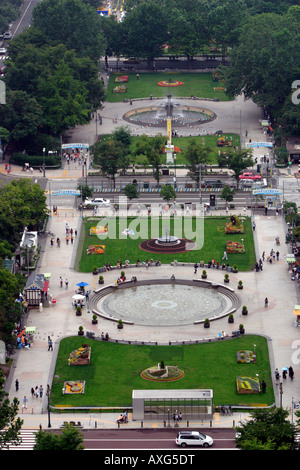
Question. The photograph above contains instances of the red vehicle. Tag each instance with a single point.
(249, 176)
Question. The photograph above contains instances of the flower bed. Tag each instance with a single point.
(171, 83)
(122, 79)
(169, 373)
(120, 89)
(230, 228)
(73, 386)
(234, 247)
(247, 385)
(80, 356)
(245, 357)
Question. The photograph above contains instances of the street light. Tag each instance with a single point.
(48, 395)
(44, 150)
(174, 170)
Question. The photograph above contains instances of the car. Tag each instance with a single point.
(249, 176)
(98, 201)
(193, 438)
(7, 35)
(3, 50)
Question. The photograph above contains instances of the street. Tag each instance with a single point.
(153, 439)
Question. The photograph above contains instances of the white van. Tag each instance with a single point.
(193, 438)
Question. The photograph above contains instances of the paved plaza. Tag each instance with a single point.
(35, 366)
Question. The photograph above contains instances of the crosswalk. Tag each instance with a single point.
(28, 441)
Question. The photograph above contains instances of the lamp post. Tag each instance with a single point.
(175, 185)
(44, 150)
(48, 395)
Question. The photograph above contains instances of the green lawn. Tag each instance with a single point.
(127, 248)
(115, 370)
(194, 84)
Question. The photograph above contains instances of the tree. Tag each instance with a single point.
(145, 31)
(21, 116)
(227, 193)
(153, 148)
(197, 154)
(111, 156)
(131, 191)
(10, 426)
(168, 193)
(70, 439)
(263, 64)
(72, 23)
(268, 429)
(236, 160)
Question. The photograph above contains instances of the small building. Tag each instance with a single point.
(293, 148)
(163, 404)
(36, 290)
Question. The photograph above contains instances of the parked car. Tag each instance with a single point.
(249, 176)
(98, 202)
(7, 35)
(3, 50)
(193, 438)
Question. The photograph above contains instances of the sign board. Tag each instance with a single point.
(75, 146)
(65, 192)
(266, 192)
(259, 144)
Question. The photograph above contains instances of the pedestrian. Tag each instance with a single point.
(25, 402)
(263, 256)
(263, 386)
(60, 281)
(277, 255)
(41, 391)
(225, 255)
(75, 232)
(36, 392)
(50, 344)
(195, 268)
(253, 226)
(226, 209)
(277, 375)
(32, 392)
(67, 283)
(17, 385)
(291, 373)
(266, 302)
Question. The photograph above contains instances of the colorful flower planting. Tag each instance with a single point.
(247, 385)
(230, 228)
(121, 79)
(120, 89)
(245, 357)
(80, 356)
(73, 386)
(234, 247)
(171, 83)
(168, 373)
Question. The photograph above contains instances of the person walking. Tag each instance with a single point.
(17, 385)
(67, 283)
(41, 391)
(50, 344)
(266, 302)
(195, 268)
(25, 402)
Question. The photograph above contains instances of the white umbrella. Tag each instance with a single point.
(78, 297)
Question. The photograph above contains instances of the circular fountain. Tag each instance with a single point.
(160, 111)
(164, 302)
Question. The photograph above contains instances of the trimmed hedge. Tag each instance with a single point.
(35, 161)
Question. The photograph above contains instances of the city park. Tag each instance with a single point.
(233, 368)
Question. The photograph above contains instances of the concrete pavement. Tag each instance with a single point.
(35, 367)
